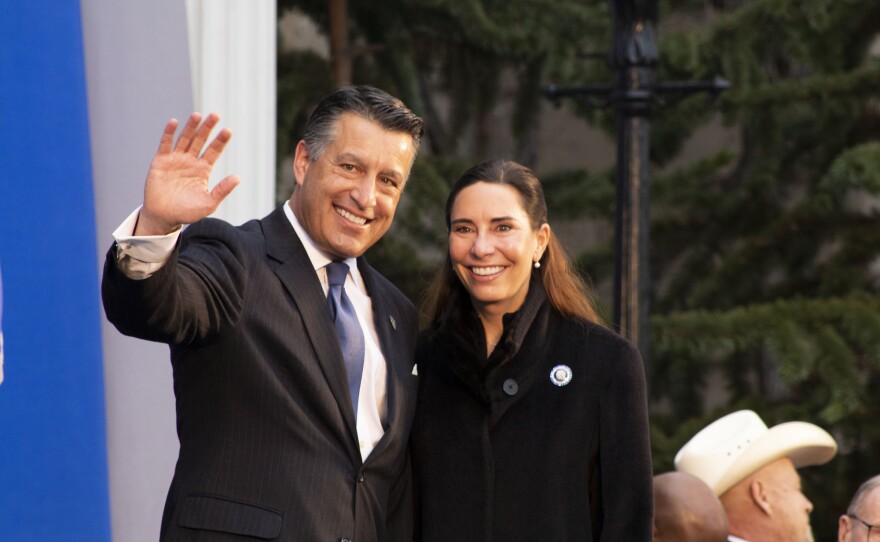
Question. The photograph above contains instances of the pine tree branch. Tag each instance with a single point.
(858, 83)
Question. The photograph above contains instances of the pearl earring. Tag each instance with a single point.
(537, 264)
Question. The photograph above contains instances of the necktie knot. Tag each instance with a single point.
(336, 273)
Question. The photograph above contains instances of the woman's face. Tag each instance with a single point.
(493, 246)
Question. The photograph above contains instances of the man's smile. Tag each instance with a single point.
(359, 220)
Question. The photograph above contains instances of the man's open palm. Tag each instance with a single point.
(176, 191)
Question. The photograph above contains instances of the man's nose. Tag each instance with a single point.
(364, 192)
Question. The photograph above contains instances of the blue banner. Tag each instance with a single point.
(1, 325)
(53, 459)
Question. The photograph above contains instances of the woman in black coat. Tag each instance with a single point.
(532, 420)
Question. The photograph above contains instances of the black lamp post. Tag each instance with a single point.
(634, 56)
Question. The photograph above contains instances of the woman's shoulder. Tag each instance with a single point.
(427, 343)
(595, 340)
(433, 352)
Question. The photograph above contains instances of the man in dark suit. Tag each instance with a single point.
(287, 431)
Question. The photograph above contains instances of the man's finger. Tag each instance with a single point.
(202, 133)
(212, 153)
(183, 142)
(167, 137)
(224, 187)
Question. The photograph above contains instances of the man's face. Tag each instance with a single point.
(790, 507)
(850, 529)
(346, 197)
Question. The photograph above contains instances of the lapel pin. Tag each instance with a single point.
(393, 322)
(560, 375)
(415, 370)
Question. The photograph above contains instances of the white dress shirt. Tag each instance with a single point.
(141, 256)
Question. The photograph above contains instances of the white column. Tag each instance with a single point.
(232, 54)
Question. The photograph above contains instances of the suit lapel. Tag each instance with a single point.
(296, 273)
(388, 326)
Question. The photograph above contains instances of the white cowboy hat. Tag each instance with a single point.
(735, 446)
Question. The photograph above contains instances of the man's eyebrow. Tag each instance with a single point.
(397, 175)
(348, 157)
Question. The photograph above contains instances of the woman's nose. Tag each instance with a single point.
(483, 245)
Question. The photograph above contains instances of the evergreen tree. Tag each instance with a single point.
(765, 257)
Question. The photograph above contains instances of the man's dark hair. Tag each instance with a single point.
(369, 102)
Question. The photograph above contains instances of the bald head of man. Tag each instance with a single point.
(862, 519)
(686, 510)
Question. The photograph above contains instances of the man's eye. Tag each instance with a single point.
(348, 167)
(389, 181)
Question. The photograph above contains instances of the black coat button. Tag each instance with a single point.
(510, 387)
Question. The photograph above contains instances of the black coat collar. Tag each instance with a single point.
(461, 342)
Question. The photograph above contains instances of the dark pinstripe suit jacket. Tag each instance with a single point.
(268, 442)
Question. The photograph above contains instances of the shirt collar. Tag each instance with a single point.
(462, 325)
(317, 256)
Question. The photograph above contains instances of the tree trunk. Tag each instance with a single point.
(340, 51)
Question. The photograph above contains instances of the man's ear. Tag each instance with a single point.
(300, 162)
(760, 496)
(844, 524)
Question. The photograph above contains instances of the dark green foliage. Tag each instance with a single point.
(410, 253)
(765, 257)
(296, 96)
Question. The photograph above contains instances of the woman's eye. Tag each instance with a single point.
(504, 227)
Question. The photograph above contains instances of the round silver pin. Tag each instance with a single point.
(560, 375)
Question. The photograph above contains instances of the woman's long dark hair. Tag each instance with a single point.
(567, 292)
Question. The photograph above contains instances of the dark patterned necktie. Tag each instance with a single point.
(351, 336)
